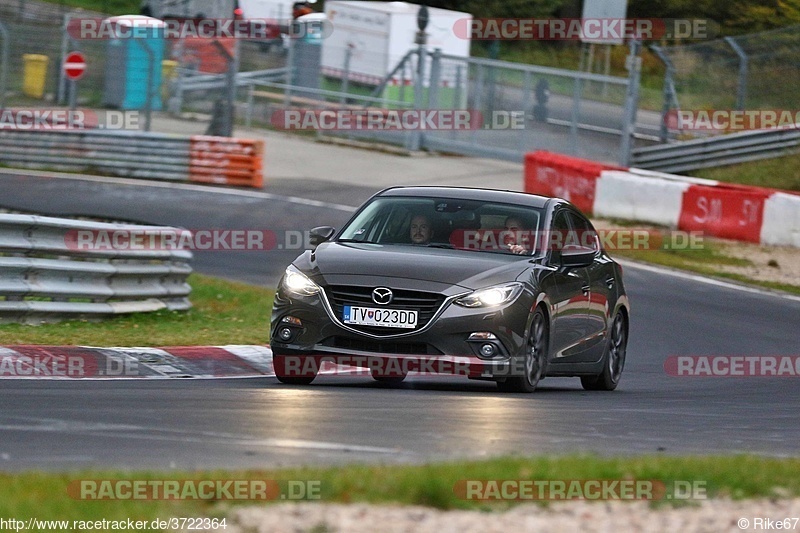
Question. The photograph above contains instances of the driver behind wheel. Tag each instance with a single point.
(420, 230)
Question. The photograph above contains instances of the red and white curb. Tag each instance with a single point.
(90, 362)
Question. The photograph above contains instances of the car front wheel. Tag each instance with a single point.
(534, 358)
(613, 359)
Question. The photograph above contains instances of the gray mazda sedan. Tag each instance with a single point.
(492, 285)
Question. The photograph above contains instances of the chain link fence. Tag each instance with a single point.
(33, 48)
(522, 107)
(518, 107)
(754, 71)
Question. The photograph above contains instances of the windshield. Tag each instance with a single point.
(470, 225)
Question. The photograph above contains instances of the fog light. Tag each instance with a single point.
(292, 320)
(482, 336)
(488, 350)
(285, 334)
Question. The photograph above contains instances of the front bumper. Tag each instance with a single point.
(443, 346)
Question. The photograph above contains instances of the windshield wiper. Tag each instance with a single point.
(359, 241)
(440, 245)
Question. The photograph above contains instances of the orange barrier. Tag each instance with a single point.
(571, 178)
(204, 54)
(226, 161)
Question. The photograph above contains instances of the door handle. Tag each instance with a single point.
(585, 289)
(610, 282)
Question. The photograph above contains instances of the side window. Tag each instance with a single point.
(560, 232)
(583, 234)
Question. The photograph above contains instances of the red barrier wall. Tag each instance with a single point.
(727, 211)
(571, 178)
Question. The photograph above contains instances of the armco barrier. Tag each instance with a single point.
(137, 155)
(54, 268)
(563, 176)
(750, 214)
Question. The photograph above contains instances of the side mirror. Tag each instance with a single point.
(320, 234)
(577, 256)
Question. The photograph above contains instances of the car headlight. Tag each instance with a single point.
(491, 296)
(298, 283)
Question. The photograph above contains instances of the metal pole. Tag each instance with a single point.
(345, 86)
(232, 86)
(287, 92)
(458, 89)
(415, 139)
(64, 47)
(607, 69)
(249, 118)
(230, 89)
(631, 103)
(401, 65)
(230, 94)
(527, 89)
(73, 94)
(668, 86)
(741, 90)
(577, 89)
(402, 93)
(436, 74)
(478, 102)
(4, 65)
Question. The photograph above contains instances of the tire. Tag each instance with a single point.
(613, 358)
(535, 358)
(388, 379)
(293, 379)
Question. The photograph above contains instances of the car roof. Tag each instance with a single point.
(469, 193)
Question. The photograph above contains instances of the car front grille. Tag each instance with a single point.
(384, 347)
(425, 303)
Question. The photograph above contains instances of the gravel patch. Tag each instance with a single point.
(709, 516)
(779, 264)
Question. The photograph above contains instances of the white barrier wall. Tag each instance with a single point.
(781, 223)
(621, 194)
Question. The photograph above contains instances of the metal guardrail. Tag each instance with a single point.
(717, 151)
(119, 153)
(53, 268)
(207, 82)
(196, 158)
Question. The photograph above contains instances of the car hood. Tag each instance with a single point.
(471, 270)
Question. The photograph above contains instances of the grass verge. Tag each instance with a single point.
(705, 261)
(777, 173)
(45, 496)
(223, 312)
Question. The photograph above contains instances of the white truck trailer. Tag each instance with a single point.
(379, 34)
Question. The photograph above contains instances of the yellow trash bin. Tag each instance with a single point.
(34, 74)
(168, 74)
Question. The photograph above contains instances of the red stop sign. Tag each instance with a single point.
(75, 65)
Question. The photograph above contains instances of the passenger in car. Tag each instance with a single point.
(516, 235)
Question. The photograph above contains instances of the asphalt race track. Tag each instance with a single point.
(257, 422)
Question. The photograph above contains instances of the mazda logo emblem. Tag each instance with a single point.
(382, 296)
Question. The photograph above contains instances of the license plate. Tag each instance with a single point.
(387, 318)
